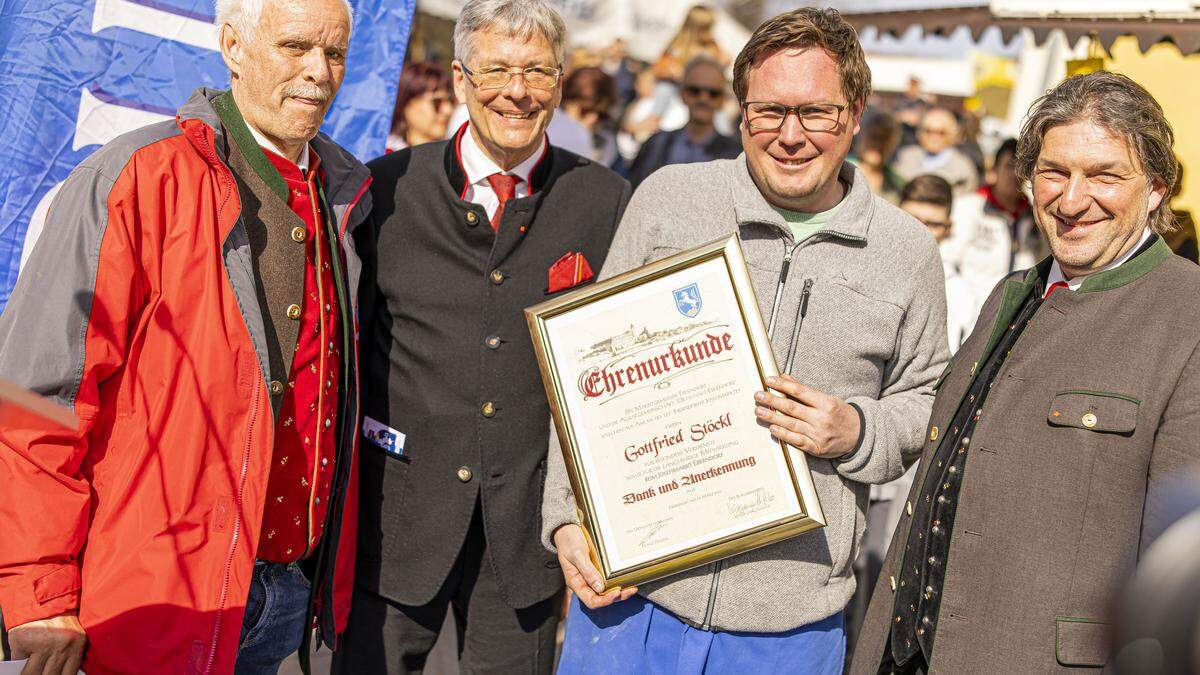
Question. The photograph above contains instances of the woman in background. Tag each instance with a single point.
(424, 103)
(589, 95)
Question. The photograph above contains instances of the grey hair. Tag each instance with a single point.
(1123, 107)
(244, 14)
(517, 18)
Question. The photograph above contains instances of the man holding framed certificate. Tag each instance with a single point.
(851, 292)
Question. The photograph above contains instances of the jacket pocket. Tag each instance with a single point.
(56, 584)
(1094, 410)
(1080, 642)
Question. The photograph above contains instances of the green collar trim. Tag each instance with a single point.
(1132, 270)
(1015, 293)
(235, 124)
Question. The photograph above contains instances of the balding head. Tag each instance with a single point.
(245, 14)
(938, 130)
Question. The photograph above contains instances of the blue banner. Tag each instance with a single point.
(74, 74)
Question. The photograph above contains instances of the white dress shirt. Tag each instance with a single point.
(478, 166)
(265, 142)
(1056, 273)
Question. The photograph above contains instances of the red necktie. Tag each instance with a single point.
(1054, 287)
(505, 186)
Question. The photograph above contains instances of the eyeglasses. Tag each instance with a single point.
(537, 77)
(764, 116)
(696, 91)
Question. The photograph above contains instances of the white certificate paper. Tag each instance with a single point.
(658, 383)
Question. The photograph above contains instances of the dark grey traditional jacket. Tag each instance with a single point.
(1093, 413)
(448, 361)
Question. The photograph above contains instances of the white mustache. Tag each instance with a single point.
(314, 93)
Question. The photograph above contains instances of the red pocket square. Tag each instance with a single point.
(570, 270)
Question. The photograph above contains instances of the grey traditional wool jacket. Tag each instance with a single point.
(1095, 411)
(874, 334)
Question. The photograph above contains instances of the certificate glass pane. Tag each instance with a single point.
(658, 383)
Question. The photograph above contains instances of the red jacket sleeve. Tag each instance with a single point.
(62, 335)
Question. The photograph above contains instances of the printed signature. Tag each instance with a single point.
(655, 528)
(749, 503)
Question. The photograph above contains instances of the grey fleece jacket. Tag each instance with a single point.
(874, 335)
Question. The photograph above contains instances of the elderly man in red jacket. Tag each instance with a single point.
(192, 300)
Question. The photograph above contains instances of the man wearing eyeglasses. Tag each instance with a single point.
(850, 286)
(468, 232)
(703, 92)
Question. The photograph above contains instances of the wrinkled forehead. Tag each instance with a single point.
(329, 19)
(1086, 144)
(498, 45)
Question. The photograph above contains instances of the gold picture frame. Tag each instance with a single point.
(558, 328)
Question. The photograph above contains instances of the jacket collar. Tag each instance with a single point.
(851, 221)
(457, 176)
(1150, 256)
(241, 136)
(1016, 291)
(345, 177)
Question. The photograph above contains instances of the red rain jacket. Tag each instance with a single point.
(137, 309)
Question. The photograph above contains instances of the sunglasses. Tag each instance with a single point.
(696, 91)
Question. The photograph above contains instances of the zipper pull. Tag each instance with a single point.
(801, 312)
(783, 274)
(808, 284)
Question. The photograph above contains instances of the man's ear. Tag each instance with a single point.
(1158, 192)
(460, 85)
(856, 112)
(233, 49)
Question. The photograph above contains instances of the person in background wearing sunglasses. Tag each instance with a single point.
(704, 90)
(936, 153)
(469, 232)
(424, 104)
(849, 284)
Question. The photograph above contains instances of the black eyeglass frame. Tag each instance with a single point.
(788, 110)
(511, 72)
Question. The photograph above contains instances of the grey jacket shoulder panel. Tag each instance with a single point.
(44, 326)
(112, 157)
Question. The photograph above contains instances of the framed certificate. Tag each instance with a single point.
(651, 378)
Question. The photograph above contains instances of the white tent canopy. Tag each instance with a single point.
(1149, 21)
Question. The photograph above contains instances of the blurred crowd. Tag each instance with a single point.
(926, 155)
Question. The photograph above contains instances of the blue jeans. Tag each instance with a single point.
(274, 623)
